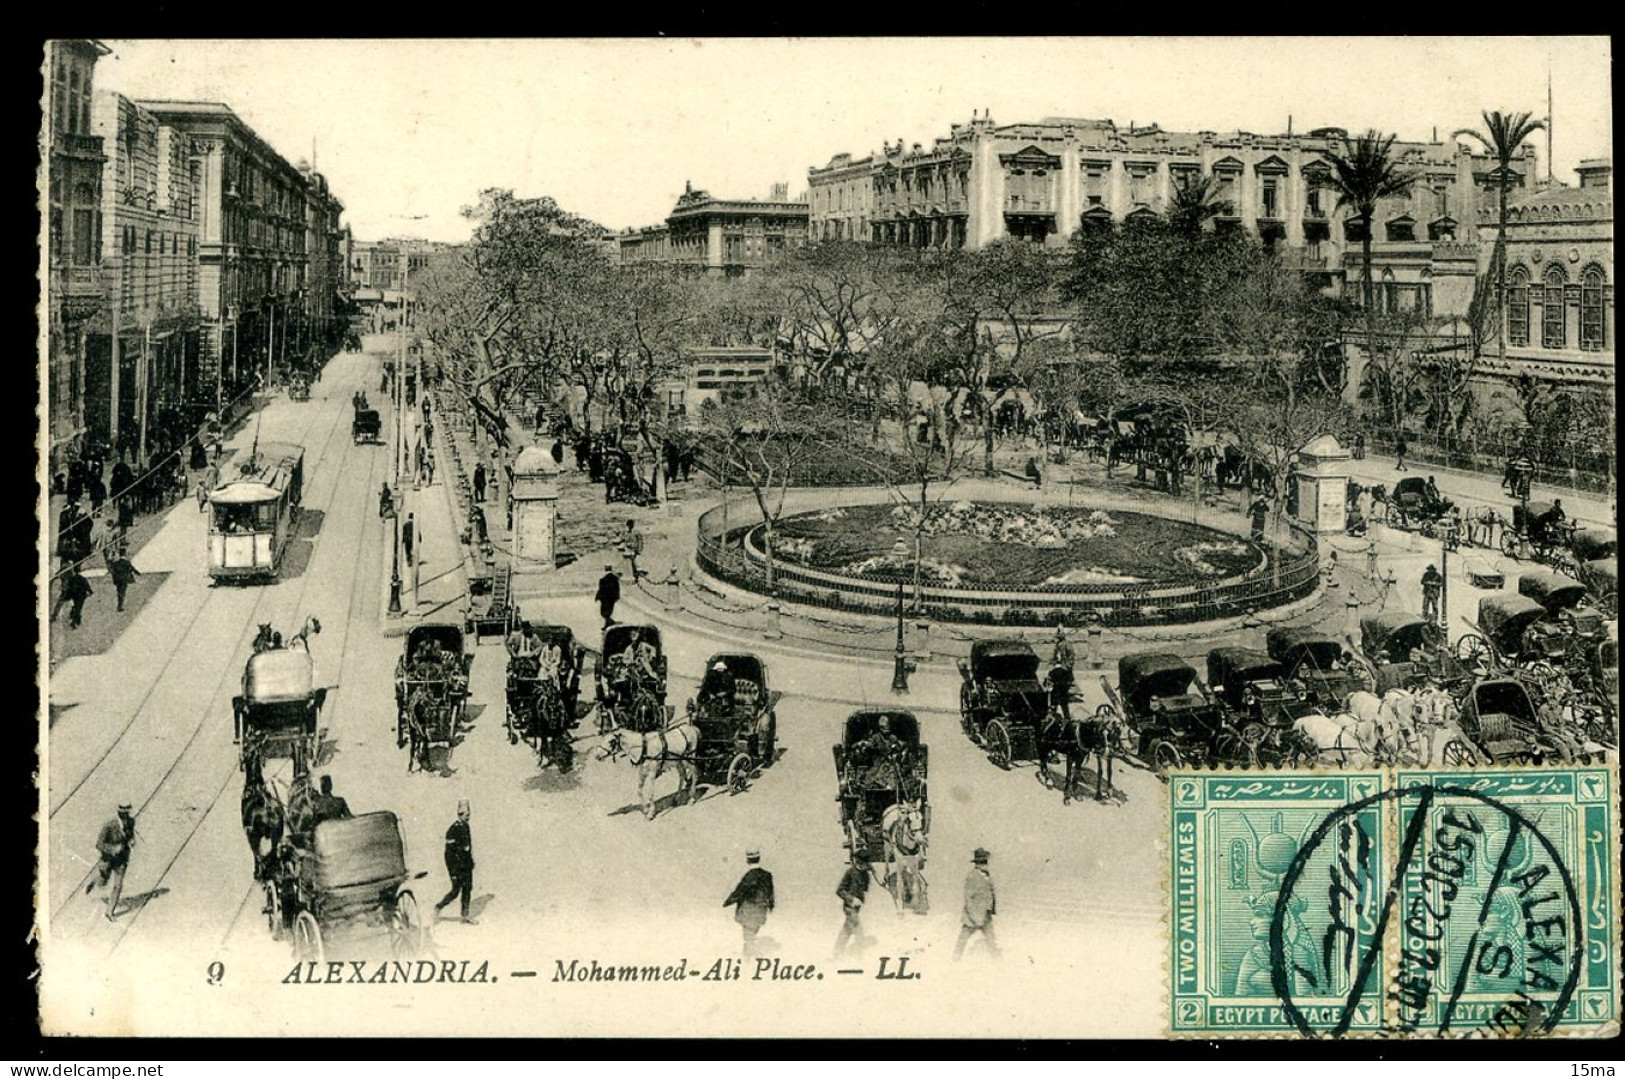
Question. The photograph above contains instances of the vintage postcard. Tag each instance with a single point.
(830, 538)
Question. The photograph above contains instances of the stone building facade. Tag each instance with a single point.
(719, 237)
(74, 290)
(144, 350)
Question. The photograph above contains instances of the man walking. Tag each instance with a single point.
(123, 572)
(75, 590)
(479, 482)
(1258, 511)
(459, 863)
(1060, 674)
(752, 899)
(1432, 587)
(113, 844)
(609, 594)
(408, 537)
(1400, 448)
(632, 544)
(980, 906)
(853, 889)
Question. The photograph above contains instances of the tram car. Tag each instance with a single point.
(253, 516)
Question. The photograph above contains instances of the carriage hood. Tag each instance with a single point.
(742, 665)
(1553, 591)
(1233, 668)
(1596, 543)
(860, 725)
(448, 636)
(286, 674)
(1397, 631)
(1004, 661)
(358, 850)
(1149, 675)
(617, 638)
(1298, 647)
(1505, 616)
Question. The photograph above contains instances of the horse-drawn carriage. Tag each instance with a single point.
(881, 768)
(1416, 503)
(366, 427)
(353, 873)
(1596, 556)
(1262, 702)
(541, 695)
(630, 678)
(431, 690)
(1499, 716)
(1171, 719)
(1538, 531)
(278, 713)
(299, 387)
(1002, 704)
(735, 713)
(1565, 600)
(1317, 663)
(1513, 631)
(1402, 650)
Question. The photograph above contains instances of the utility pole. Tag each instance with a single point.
(900, 664)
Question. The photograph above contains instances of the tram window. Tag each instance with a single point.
(234, 519)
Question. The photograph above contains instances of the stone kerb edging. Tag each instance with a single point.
(1152, 604)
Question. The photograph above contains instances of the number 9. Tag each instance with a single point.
(217, 972)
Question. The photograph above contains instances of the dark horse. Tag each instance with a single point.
(1076, 739)
(264, 820)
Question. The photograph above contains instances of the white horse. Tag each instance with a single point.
(1387, 724)
(1438, 726)
(1341, 739)
(903, 825)
(651, 751)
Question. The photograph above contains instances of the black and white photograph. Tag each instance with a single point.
(1057, 537)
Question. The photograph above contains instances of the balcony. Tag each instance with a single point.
(87, 147)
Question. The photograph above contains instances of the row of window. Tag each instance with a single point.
(1554, 309)
(71, 97)
(134, 241)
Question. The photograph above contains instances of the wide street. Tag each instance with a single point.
(566, 865)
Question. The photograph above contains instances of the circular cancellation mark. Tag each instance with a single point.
(1427, 991)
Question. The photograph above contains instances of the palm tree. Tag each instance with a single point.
(1503, 134)
(1194, 203)
(1361, 178)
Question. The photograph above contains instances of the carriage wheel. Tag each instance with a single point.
(1509, 544)
(739, 773)
(997, 739)
(1457, 754)
(1474, 651)
(1252, 734)
(512, 728)
(406, 929)
(273, 909)
(1164, 756)
(307, 938)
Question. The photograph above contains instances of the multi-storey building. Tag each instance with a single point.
(384, 273)
(144, 349)
(1560, 292)
(254, 285)
(329, 266)
(73, 252)
(720, 237)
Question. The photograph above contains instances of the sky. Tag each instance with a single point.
(410, 131)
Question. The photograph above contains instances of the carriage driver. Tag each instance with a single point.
(883, 751)
(639, 659)
(720, 687)
(522, 642)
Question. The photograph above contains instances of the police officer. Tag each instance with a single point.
(1432, 587)
(460, 863)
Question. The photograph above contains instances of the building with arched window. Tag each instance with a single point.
(1559, 311)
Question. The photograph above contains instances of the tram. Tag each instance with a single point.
(252, 517)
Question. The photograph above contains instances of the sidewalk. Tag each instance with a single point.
(434, 585)
(1470, 489)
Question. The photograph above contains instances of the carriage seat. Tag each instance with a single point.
(747, 693)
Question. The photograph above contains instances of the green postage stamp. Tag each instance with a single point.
(1473, 903)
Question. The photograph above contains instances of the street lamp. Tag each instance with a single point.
(900, 665)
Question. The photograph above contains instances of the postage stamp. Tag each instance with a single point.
(1400, 903)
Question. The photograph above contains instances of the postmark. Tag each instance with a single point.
(1427, 904)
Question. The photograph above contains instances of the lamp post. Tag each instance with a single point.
(900, 664)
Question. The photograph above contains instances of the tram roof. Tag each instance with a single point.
(244, 493)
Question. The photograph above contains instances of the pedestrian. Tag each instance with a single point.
(582, 447)
(541, 419)
(632, 545)
(418, 456)
(685, 461)
(1034, 473)
(1258, 511)
(609, 594)
(1062, 662)
(1371, 561)
(408, 537)
(124, 573)
(476, 516)
(557, 452)
(459, 863)
(1359, 446)
(980, 906)
(853, 890)
(386, 501)
(1432, 588)
(75, 590)
(752, 899)
(428, 467)
(113, 843)
(97, 491)
(1399, 454)
(479, 482)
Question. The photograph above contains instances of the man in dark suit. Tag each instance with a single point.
(752, 899)
(459, 863)
(330, 806)
(609, 594)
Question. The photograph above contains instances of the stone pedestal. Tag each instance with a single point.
(534, 497)
(1323, 486)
